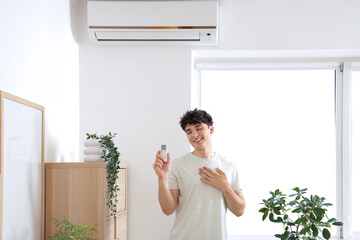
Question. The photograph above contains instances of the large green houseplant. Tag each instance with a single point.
(111, 156)
(302, 217)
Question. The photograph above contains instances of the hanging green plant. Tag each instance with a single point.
(111, 156)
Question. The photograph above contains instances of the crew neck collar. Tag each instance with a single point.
(200, 158)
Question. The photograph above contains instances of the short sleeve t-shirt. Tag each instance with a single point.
(201, 209)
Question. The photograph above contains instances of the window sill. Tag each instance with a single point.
(256, 237)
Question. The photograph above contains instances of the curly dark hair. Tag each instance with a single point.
(194, 117)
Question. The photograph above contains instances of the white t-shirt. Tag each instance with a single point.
(201, 209)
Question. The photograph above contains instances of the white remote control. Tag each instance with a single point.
(164, 152)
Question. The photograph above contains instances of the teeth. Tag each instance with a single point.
(198, 140)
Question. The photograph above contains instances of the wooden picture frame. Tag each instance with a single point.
(22, 182)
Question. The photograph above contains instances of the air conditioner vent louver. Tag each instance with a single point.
(151, 36)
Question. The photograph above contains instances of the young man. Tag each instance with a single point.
(200, 185)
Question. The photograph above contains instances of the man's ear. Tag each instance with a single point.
(211, 129)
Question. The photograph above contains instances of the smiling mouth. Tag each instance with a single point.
(198, 140)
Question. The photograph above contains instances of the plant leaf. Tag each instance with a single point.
(318, 212)
(314, 230)
(271, 217)
(262, 209)
(277, 210)
(265, 214)
(326, 234)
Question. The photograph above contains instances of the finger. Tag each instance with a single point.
(158, 155)
(157, 165)
(220, 171)
(204, 175)
(209, 170)
(168, 157)
(204, 181)
(159, 162)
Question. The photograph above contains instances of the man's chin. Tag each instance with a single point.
(198, 147)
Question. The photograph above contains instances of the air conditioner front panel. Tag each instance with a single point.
(172, 13)
(119, 21)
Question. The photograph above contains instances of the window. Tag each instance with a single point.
(274, 124)
(356, 151)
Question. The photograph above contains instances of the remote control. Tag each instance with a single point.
(164, 152)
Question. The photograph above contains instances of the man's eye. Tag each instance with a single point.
(188, 133)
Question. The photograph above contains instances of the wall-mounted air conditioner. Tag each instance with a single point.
(186, 22)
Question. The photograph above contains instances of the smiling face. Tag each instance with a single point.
(199, 135)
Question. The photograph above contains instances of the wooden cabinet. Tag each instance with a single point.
(78, 191)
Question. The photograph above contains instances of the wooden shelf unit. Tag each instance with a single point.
(78, 191)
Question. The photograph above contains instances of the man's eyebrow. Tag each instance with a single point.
(197, 125)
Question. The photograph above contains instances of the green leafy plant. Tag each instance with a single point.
(302, 218)
(111, 156)
(69, 231)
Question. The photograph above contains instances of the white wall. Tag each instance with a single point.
(141, 92)
(123, 90)
(39, 62)
(283, 24)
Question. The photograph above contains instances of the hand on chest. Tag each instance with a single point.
(189, 178)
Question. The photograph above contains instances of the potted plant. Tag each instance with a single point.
(302, 217)
(111, 156)
(68, 231)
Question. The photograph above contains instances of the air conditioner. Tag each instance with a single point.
(186, 22)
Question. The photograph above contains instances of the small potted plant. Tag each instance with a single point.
(302, 217)
(68, 231)
(111, 156)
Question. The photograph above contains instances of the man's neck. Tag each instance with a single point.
(204, 153)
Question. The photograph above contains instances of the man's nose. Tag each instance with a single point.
(195, 134)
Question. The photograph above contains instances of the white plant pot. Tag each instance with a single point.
(92, 151)
(92, 143)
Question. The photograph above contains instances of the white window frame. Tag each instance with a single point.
(343, 148)
(342, 65)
